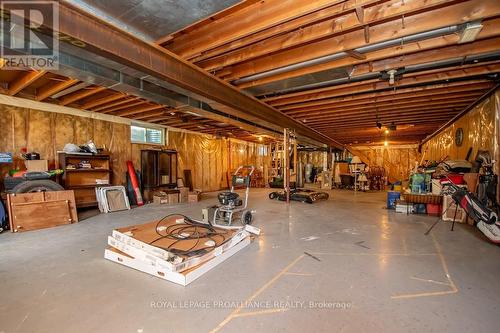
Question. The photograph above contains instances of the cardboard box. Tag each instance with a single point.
(182, 278)
(160, 199)
(194, 196)
(173, 198)
(140, 250)
(436, 187)
(450, 210)
(36, 165)
(183, 194)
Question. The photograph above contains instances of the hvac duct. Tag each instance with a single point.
(364, 49)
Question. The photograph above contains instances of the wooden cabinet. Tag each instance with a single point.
(83, 177)
(158, 168)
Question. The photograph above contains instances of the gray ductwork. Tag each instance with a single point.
(289, 68)
(408, 69)
(364, 49)
(106, 73)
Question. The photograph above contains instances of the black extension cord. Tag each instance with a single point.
(188, 231)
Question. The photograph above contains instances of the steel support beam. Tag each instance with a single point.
(81, 29)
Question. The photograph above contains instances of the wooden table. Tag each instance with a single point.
(415, 198)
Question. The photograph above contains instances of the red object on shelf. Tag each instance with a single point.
(135, 183)
(433, 209)
(456, 178)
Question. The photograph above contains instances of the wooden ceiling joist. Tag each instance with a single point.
(207, 20)
(287, 27)
(377, 138)
(392, 10)
(183, 77)
(154, 119)
(104, 100)
(48, 90)
(122, 105)
(369, 115)
(370, 122)
(387, 106)
(457, 14)
(398, 135)
(24, 81)
(416, 129)
(118, 100)
(375, 85)
(399, 94)
(430, 50)
(252, 19)
(254, 37)
(68, 99)
(137, 111)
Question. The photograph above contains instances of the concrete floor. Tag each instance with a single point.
(377, 272)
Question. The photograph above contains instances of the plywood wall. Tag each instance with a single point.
(397, 161)
(48, 132)
(481, 128)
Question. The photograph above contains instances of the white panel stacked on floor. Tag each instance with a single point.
(174, 249)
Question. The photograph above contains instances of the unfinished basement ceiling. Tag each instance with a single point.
(323, 67)
(60, 90)
(104, 83)
(327, 63)
(152, 19)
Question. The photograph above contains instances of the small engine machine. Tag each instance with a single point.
(232, 209)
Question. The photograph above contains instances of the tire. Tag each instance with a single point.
(31, 186)
(247, 217)
(273, 195)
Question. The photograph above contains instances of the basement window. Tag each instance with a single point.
(147, 135)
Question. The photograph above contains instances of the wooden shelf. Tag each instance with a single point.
(82, 180)
(76, 187)
(87, 170)
(87, 204)
(87, 157)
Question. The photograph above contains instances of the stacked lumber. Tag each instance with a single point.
(174, 248)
